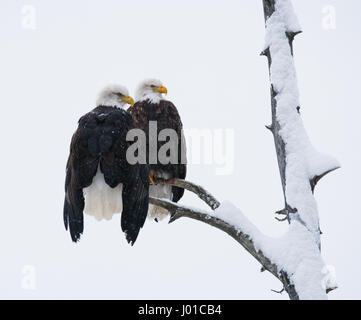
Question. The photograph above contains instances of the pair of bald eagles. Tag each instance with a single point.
(100, 181)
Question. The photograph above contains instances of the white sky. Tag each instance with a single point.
(207, 54)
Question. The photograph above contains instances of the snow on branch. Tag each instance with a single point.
(301, 166)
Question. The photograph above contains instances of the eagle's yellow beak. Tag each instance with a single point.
(162, 89)
(129, 100)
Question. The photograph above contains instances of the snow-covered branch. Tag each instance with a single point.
(300, 165)
(232, 221)
(285, 257)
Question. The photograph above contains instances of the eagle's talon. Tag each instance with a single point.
(152, 178)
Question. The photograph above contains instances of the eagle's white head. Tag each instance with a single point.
(150, 89)
(114, 96)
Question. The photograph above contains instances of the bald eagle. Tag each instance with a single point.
(99, 180)
(150, 106)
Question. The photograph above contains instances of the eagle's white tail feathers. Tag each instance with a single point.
(159, 191)
(102, 201)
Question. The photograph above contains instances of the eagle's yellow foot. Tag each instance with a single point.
(152, 178)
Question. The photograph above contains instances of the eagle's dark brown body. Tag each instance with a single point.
(167, 117)
(100, 143)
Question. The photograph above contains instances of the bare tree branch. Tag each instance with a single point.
(202, 193)
(317, 178)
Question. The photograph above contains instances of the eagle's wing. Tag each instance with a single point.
(180, 169)
(135, 201)
(80, 170)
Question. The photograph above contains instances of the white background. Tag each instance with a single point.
(207, 54)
